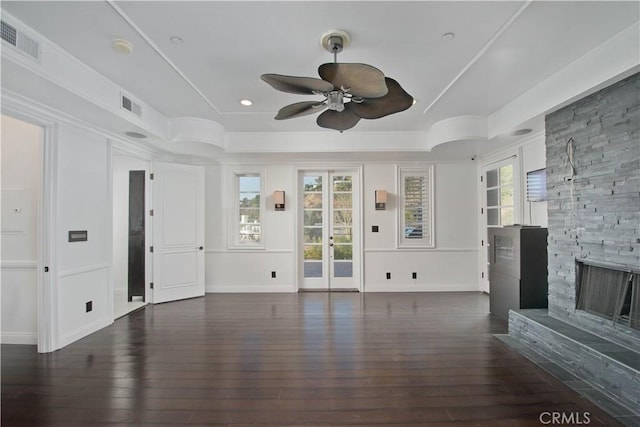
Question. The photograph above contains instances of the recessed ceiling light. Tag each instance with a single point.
(246, 102)
(448, 36)
(176, 40)
(136, 135)
(520, 132)
(122, 46)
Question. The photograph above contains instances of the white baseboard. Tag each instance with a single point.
(212, 289)
(410, 287)
(29, 338)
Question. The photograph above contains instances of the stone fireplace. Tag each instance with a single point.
(593, 183)
(590, 333)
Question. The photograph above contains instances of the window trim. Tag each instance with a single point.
(426, 171)
(234, 221)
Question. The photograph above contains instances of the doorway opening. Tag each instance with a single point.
(130, 234)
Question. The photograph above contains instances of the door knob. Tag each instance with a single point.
(330, 243)
(200, 248)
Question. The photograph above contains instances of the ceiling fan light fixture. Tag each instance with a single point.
(335, 100)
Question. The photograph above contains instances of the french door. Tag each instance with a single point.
(329, 230)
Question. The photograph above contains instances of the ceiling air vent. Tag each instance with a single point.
(19, 40)
(130, 105)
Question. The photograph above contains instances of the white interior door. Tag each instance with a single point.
(329, 230)
(178, 232)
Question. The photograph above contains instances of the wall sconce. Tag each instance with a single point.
(381, 200)
(278, 199)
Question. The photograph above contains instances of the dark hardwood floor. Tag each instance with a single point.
(323, 359)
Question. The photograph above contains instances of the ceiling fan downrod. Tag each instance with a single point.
(335, 45)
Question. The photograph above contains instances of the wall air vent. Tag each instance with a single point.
(130, 105)
(19, 40)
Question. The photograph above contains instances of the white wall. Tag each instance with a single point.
(451, 265)
(21, 185)
(121, 166)
(83, 203)
(249, 270)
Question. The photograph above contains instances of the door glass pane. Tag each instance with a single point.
(342, 252)
(313, 269)
(343, 269)
(506, 196)
(493, 216)
(342, 200)
(342, 217)
(313, 234)
(506, 175)
(342, 183)
(313, 200)
(506, 216)
(312, 183)
(313, 252)
(342, 235)
(492, 197)
(312, 217)
(492, 178)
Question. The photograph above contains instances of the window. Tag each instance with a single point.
(415, 206)
(248, 210)
(537, 185)
(500, 196)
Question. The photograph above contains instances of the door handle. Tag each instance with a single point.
(200, 248)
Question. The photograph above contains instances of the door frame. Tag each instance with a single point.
(46, 283)
(357, 169)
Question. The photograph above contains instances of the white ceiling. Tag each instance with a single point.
(500, 50)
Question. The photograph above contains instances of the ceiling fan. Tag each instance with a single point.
(351, 91)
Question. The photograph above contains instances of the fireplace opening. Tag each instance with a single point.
(608, 291)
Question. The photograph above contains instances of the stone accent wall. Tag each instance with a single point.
(596, 215)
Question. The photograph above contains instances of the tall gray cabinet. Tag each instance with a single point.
(517, 269)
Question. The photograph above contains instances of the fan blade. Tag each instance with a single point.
(342, 120)
(299, 85)
(300, 109)
(394, 101)
(361, 80)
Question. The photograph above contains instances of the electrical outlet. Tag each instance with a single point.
(388, 276)
(89, 306)
(414, 275)
(273, 274)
